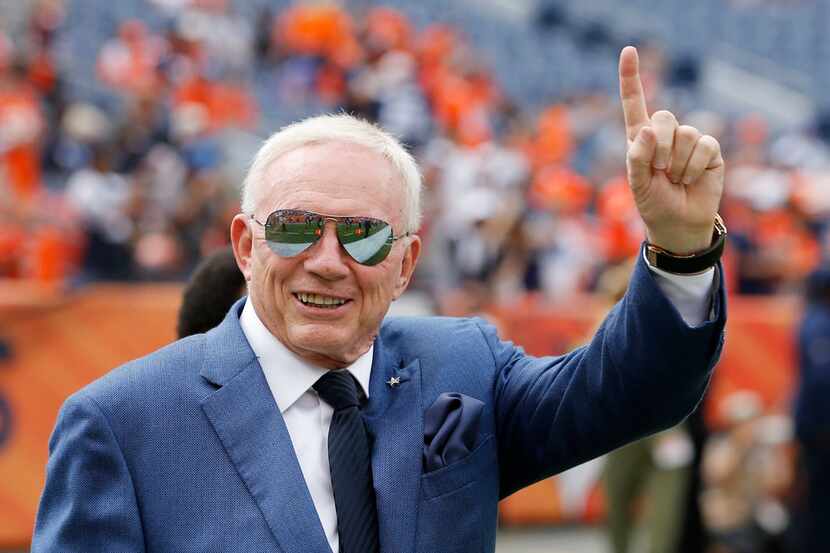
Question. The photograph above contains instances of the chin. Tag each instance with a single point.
(323, 339)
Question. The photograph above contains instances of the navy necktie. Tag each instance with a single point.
(350, 463)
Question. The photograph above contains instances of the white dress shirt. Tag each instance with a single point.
(308, 417)
(688, 293)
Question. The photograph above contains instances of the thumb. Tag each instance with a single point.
(640, 156)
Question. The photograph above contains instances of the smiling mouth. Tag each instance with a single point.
(319, 300)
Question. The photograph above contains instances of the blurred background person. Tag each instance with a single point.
(812, 415)
(215, 285)
(649, 477)
(746, 473)
(103, 200)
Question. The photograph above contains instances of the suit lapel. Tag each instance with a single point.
(394, 418)
(248, 423)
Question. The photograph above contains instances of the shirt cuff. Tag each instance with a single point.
(690, 294)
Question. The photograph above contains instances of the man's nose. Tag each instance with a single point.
(327, 259)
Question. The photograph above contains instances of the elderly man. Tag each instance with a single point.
(306, 422)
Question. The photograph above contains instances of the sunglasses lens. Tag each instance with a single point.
(289, 232)
(368, 241)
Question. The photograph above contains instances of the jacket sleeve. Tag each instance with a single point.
(644, 370)
(88, 503)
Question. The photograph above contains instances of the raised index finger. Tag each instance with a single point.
(631, 92)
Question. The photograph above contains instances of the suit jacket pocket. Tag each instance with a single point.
(460, 473)
(462, 496)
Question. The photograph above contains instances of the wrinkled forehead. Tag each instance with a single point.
(334, 178)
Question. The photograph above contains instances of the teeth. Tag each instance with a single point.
(318, 300)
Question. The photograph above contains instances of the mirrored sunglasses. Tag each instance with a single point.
(290, 232)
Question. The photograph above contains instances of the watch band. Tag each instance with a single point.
(692, 263)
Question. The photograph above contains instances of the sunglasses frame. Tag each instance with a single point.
(336, 220)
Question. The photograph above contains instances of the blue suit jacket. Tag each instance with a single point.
(186, 450)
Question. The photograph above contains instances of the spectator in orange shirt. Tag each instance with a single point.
(21, 124)
(128, 63)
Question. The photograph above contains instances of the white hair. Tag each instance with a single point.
(336, 128)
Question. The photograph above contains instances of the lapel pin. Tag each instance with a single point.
(394, 381)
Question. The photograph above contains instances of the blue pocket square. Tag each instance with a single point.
(450, 429)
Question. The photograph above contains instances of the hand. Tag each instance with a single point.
(675, 172)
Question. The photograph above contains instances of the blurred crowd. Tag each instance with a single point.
(739, 489)
(517, 199)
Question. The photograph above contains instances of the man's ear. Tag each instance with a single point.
(410, 259)
(242, 241)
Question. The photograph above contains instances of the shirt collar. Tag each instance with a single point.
(288, 375)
